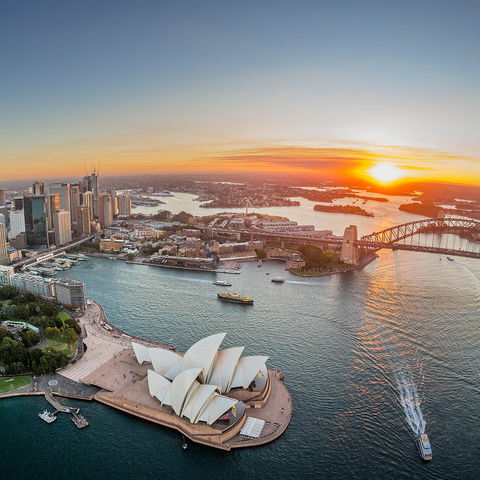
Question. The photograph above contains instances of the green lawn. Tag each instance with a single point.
(63, 316)
(17, 382)
(61, 346)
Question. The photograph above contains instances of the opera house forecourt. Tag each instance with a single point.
(213, 396)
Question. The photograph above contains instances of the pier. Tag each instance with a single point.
(78, 419)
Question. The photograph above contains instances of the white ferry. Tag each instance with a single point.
(424, 448)
(221, 283)
(47, 416)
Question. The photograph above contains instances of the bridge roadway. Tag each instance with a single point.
(55, 252)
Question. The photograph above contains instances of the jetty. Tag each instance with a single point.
(78, 419)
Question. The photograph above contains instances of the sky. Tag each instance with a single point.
(204, 86)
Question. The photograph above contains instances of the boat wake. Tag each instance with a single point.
(410, 401)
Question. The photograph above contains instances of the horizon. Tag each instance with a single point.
(182, 88)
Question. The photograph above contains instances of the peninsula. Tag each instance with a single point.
(350, 209)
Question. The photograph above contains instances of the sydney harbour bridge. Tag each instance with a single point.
(451, 236)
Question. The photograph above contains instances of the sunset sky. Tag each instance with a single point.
(164, 87)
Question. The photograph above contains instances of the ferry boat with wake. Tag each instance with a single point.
(234, 298)
(424, 447)
(278, 280)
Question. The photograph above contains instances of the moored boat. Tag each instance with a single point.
(235, 298)
(222, 283)
(47, 416)
(424, 447)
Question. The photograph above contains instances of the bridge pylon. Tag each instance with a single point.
(350, 252)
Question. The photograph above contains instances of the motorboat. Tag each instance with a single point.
(424, 448)
(450, 259)
(278, 280)
(221, 283)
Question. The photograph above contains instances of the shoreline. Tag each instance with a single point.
(97, 375)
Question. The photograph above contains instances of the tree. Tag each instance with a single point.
(69, 336)
(261, 254)
(72, 323)
(182, 217)
(8, 292)
(52, 332)
(130, 256)
(30, 338)
(163, 215)
(12, 350)
(5, 333)
(22, 312)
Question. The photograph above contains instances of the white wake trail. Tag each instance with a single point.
(410, 401)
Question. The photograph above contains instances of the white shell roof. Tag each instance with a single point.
(215, 408)
(157, 383)
(181, 387)
(202, 353)
(224, 367)
(246, 370)
(166, 362)
(141, 352)
(195, 404)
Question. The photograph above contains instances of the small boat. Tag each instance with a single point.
(450, 259)
(424, 448)
(47, 416)
(184, 446)
(267, 273)
(278, 280)
(221, 283)
(234, 298)
(259, 263)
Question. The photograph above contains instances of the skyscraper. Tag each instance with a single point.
(38, 188)
(3, 245)
(83, 221)
(74, 200)
(17, 223)
(124, 205)
(90, 184)
(63, 190)
(52, 202)
(89, 201)
(18, 203)
(35, 220)
(63, 227)
(3, 197)
(105, 216)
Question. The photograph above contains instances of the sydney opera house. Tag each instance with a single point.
(213, 396)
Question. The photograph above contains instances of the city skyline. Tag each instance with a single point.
(214, 88)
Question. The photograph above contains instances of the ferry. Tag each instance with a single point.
(47, 416)
(424, 448)
(278, 280)
(234, 298)
(222, 283)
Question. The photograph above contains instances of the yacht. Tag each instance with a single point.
(221, 283)
(424, 448)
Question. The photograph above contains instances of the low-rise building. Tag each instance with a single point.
(111, 244)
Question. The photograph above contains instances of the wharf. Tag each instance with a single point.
(77, 419)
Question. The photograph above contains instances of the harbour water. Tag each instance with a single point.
(369, 357)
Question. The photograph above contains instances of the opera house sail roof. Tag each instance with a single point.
(193, 385)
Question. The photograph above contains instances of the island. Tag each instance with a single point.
(350, 209)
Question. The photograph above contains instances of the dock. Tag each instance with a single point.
(78, 419)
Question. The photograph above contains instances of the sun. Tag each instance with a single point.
(385, 172)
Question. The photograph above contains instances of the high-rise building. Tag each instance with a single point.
(63, 190)
(90, 184)
(70, 292)
(83, 220)
(124, 205)
(52, 202)
(17, 223)
(74, 200)
(62, 227)
(105, 210)
(89, 201)
(3, 197)
(18, 203)
(35, 220)
(38, 188)
(3, 245)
